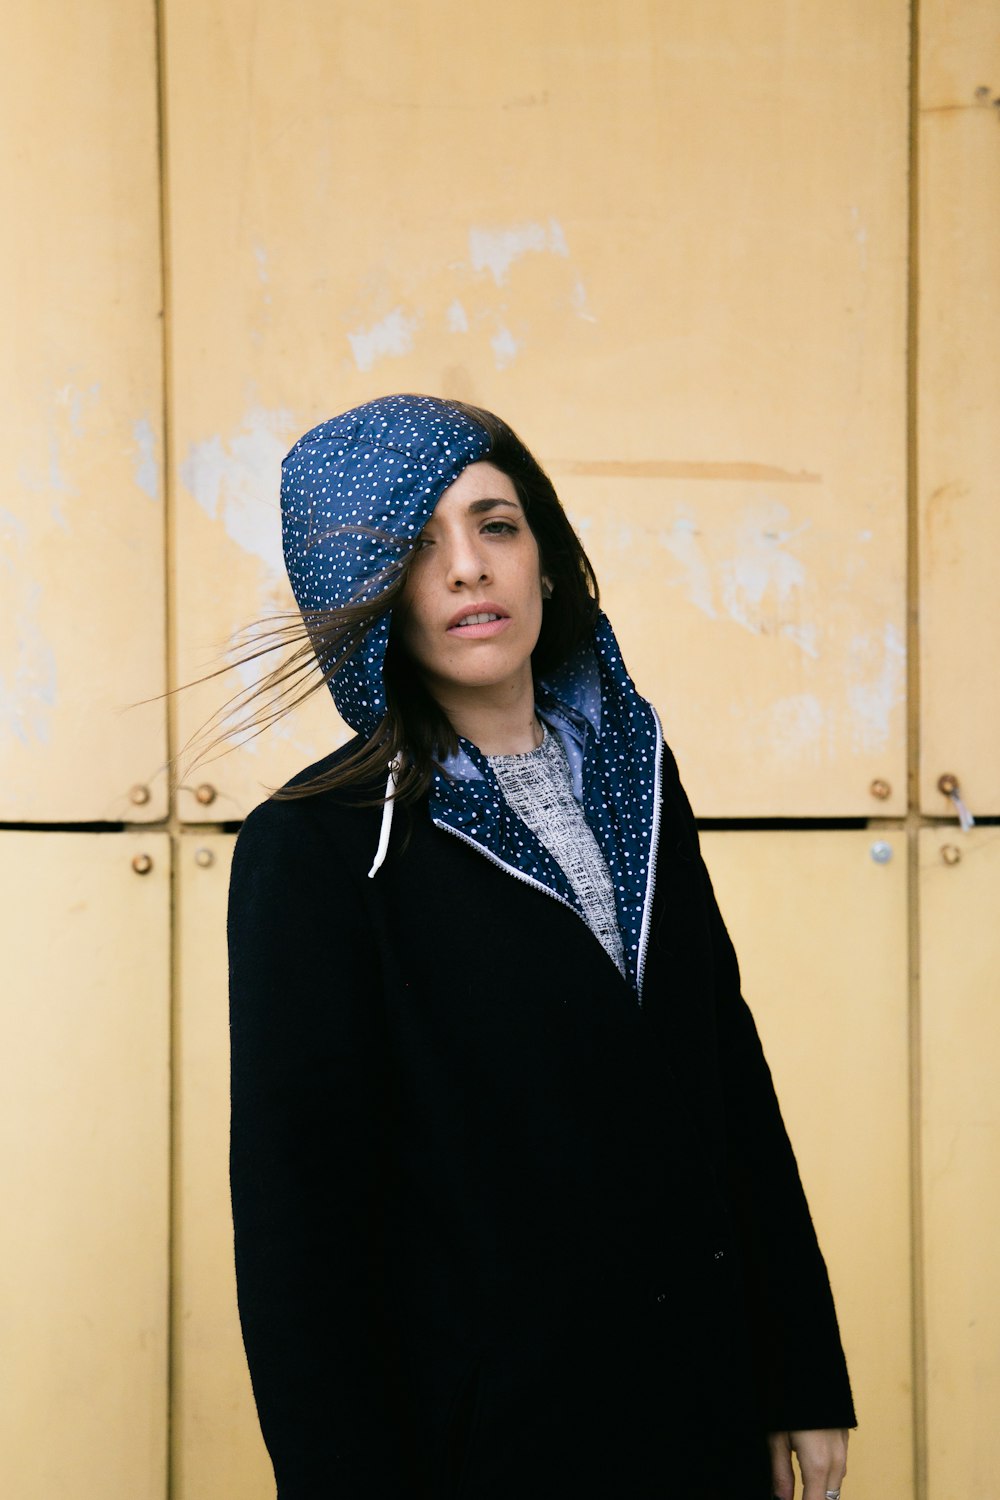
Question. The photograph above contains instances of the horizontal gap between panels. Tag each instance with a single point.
(159, 827)
(705, 825)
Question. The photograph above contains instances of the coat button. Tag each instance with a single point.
(661, 1296)
(718, 1254)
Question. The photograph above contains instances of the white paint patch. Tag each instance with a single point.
(860, 233)
(456, 318)
(806, 637)
(763, 580)
(260, 256)
(12, 535)
(578, 300)
(76, 403)
(28, 687)
(496, 250)
(239, 481)
(796, 726)
(759, 585)
(683, 542)
(505, 347)
(876, 685)
(57, 480)
(389, 338)
(145, 467)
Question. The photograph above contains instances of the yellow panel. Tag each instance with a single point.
(81, 518)
(667, 242)
(820, 930)
(84, 1161)
(217, 1449)
(960, 976)
(959, 398)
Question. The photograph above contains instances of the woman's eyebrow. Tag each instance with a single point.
(478, 506)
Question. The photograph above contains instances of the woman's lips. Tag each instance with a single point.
(483, 629)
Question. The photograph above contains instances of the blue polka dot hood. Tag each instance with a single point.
(356, 491)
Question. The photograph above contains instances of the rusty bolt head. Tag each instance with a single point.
(950, 854)
(142, 864)
(139, 794)
(947, 783)
(204, 793)
(880, 789)
(204, 858)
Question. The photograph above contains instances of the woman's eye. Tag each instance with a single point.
(500, 528)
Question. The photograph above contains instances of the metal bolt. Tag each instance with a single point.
(950, 854)
(139, 794)
(204, 857)
(142, 864)
(948, 784)
(881, 852)
(880, 789)
(204, 793)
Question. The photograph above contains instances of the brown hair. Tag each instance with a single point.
(414, 732)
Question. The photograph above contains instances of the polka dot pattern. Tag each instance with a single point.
(355, 493)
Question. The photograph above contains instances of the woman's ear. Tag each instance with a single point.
(546, 587)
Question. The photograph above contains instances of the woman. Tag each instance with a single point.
(515, 1212)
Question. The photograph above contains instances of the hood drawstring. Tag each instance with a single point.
(386, 829)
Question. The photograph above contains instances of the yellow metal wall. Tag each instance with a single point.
(733, 270)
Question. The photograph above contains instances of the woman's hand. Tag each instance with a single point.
(822, 1456)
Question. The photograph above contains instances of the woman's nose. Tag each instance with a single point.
(466, 564)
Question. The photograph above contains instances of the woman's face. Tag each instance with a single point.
(471, 607)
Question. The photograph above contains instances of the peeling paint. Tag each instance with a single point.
(796, 725)
(762, 567)
(456, 318)
(682, 542)
(505, 347)
(876, 673)
(496, 249)
(28, 688)
(860, 233)
(758, 586)
(76, 403)
(238, 481)
(145, 467)
(391, 337)
(578, 301)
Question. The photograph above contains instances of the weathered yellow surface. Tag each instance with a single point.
(959, 400)
(84, 1162)
(668, 243)
(820, 931)
(960, 1095)
(81, 512)
(217, 1449)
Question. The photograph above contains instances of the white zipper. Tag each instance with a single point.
(647, 910)
(511, 869)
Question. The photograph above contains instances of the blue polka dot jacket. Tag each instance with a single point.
(507, 1222)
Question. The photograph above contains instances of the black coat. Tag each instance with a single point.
(500, 1232)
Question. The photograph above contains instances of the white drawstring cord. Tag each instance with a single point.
(386, 829)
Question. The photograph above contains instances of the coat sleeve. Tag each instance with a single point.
(308, 1164)
(800, 1369)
